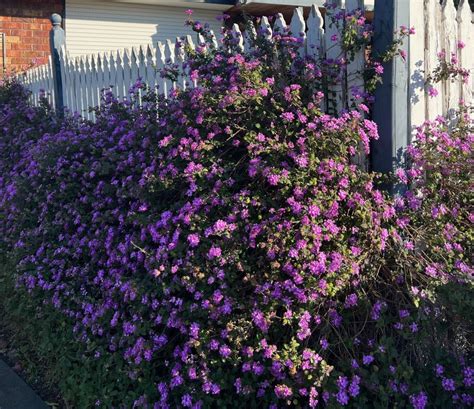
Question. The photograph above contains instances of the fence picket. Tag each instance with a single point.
(94, 84)
(74, 87)
(113, 73)
(355, 68)
(315, 34)
(180, 57)
(214, 41)
(434, 106)
(450, 31)
(416, 61)
(160, 64)
(81, 85)
(120, 75)
(50, 81)
(250, 35)
(334, 53)
(280, 27)
(466, 57)
(298, 29)
(141, 61)
(169, 59)
(134, 70)
(100, 75)
(150, 73)
(106, 69)
(88, 86)
(238, 38)
(127, 71)
(265, 29)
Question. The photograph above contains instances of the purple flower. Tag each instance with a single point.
(351, 301)
(448, 384)
(193, 239)
(187, 401)
(288, 116)
(260, 321)
(432, 92)
(367, 359)
(419, 401)
(342, 397)
(283, 391)
(214, 252)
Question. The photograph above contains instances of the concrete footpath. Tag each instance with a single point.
(16, 394)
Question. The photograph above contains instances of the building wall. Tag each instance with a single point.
(26, 26)
(94, 26)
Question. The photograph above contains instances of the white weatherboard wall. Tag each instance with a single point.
(98, 26)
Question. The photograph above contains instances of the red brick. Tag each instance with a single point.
(26, 25)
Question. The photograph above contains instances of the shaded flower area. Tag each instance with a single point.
(220, 248)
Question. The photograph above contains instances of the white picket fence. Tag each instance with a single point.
(39, 80)
(437, 27)
(85, 77)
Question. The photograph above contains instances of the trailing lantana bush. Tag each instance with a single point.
(221, 248)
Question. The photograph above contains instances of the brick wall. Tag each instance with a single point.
(26, 26)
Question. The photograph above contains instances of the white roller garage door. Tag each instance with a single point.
(93, 26)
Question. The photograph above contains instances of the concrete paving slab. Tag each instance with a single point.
(16, 394)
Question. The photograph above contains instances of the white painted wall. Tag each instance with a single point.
(95, 26)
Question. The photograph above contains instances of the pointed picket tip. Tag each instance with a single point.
(200, 40)
(149, 53)
(94, 61)
(134, 55)
(87, 64)
(316, 16)
(169, 46)
(160, 53)
(250, 35)
(126, 56)
(119, 57)
(179, 52)
(112, 58)
(236, 30)
(298, 24)
(214, 41)
(280, 24)
(80, 62)
(464, 13)
(189, 42)
(251, 29)
(238, 37)
(449, 11)
(265, 28)
(169, 51)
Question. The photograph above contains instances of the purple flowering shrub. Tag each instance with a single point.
(221, 249)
